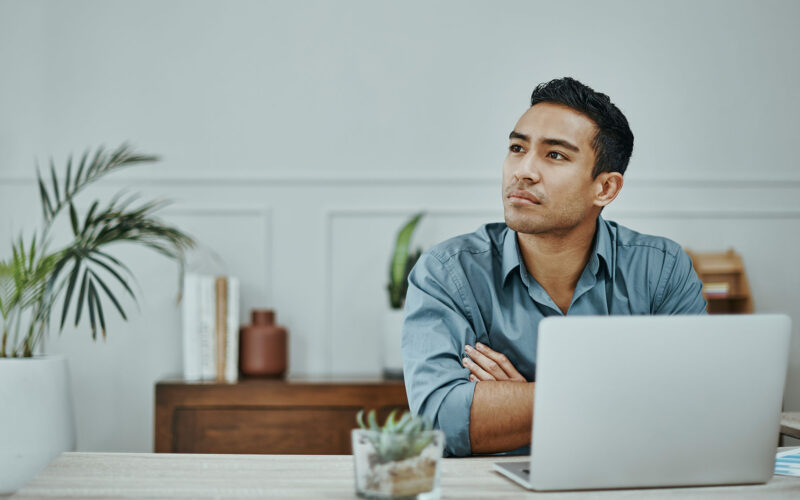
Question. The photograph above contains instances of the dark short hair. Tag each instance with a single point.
(613, 142)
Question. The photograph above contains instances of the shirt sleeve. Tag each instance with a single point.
(435, 330)
(681, 291)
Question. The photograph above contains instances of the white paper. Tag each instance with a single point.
(787, 463)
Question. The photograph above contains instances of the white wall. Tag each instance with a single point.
(297, 136)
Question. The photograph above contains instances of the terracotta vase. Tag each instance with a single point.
(262, 346)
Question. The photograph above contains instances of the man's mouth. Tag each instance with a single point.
(520, 197)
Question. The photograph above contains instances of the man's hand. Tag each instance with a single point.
(486, 364)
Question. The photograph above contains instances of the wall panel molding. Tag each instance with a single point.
(705, 214)
(331, 214)
(264, 212)
(356, 179)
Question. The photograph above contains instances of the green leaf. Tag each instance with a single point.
(15, 254)
(389, 424)
(91, 311)
(47, 207)
(21, 255)
(81, 294)
(114, 260)
(32, 254)
(73, 217)
(78, 178)
(94, 296)
(73, 277)
(373, 421)
(55, 182)
(96, 162)
(398, 269)
(404, 420)
(122, 150)
(88, 221)
(360, 418)
(114, 273)
(61, 260)
(109, 294)
(67, 179)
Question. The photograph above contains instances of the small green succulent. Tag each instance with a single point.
(397, 439)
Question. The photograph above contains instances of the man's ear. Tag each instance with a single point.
(607, 186)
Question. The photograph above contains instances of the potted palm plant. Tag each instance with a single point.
(80, 276)
(403, 261)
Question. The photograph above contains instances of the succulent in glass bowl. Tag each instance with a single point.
(398, 460)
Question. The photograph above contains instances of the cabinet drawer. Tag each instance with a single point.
(314, 431)
(267, 416)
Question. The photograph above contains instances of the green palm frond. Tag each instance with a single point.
(82, 271)
(24, 286)
(91, 266)
(59, 195)
(23, 279)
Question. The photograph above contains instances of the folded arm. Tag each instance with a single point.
(501, 416)
(477, 416)
(502, 404)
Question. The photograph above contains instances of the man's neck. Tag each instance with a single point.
(556, 261)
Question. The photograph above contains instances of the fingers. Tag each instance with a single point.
(502, 361)
(476, 372)
(485, 364)
(493, 363)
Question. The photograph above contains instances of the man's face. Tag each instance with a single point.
(547, 175)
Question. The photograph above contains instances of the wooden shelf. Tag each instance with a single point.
(724, 272)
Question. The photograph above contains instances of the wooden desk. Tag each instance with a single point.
(149, 475)
(267, 416)
(790, 424)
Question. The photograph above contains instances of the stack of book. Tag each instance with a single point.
(716, 289)
(210, 328)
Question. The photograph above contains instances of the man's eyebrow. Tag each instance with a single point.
(562, 143)
(516, 135)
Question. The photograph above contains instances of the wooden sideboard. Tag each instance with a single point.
(267, 416)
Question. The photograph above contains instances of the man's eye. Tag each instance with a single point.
(555, 155)
(515, 148)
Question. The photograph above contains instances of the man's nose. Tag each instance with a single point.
(528, 169)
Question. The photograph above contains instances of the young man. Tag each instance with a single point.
(474, 302)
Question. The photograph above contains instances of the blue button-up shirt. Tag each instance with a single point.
(475, 288)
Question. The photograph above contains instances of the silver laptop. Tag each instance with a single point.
(655, 401)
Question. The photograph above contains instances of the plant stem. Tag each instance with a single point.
(14, 321)
(27, 350)
(3, 345)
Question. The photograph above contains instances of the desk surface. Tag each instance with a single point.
(149, 475)
(790, 424)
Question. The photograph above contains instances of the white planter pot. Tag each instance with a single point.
(36, 419)
(392, 338)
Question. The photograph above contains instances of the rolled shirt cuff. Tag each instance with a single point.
(453, 419)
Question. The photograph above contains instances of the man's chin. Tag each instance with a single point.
(526, 225)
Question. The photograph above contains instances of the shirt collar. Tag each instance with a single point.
(603, 250)
(511, 256)
(604, 246)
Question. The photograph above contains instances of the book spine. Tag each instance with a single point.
(232, 340)
(221, 327)
(190, 309)
(208, 349)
